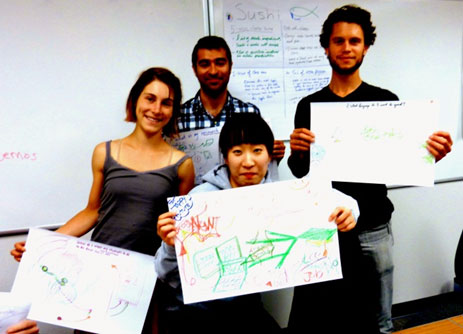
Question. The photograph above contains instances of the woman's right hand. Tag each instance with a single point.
(166, 228)
(19, 249)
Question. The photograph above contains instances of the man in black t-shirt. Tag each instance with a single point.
(346, 37)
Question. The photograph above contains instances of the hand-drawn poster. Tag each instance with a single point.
(203, 147)
(375, 142)
(13, 309)
(85, 285)
(255, 238)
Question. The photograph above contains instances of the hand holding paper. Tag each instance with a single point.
(13, 313)
(301, 139)
(166, 228)
(377, 142)
(229, 244)
(439, 144)
(18, 250)
(23, 327)
(83, 284)
(344, 218)
(278, 150)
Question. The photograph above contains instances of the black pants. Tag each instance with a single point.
(459, 262)
(340, 306)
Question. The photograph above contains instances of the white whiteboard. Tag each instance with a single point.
(418, 54)
(67, 67)
(66, 70)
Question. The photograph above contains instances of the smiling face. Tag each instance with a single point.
(154, 107)
(247, 163)
(213, 70)
(346, 48)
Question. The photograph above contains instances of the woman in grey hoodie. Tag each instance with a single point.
(246, 142)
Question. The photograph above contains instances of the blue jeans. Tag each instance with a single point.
(377, 245)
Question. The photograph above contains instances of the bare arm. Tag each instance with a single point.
(83, 221)
(86, 219)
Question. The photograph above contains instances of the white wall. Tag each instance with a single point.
(76, 62)
(427, 224)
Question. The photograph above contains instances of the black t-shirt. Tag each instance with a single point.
(375, 207)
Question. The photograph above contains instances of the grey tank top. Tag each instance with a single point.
(131, 202)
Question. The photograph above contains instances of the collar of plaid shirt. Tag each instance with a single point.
(193, 116)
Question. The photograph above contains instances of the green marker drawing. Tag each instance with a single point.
(63, 281)
(313, 234)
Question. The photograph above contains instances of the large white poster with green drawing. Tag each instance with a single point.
(375, 142)
(256, 238)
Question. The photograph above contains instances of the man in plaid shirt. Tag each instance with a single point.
(213, 104)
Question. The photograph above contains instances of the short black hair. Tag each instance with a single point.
(210, 43)
(245, 128)
(351, 14)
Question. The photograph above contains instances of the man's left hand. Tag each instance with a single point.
(278, 150)
(439, 144)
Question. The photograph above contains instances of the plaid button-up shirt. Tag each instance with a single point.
(193, 116)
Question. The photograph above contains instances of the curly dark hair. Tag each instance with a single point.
(351, 14)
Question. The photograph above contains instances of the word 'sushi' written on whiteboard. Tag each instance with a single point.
(277, 57)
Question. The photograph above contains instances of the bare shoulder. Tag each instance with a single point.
(177, 155)
(100, 150)
(99, 155)
(186, 172)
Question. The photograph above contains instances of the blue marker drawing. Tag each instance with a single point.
(317, 153)
(182, 205)
(297, 13)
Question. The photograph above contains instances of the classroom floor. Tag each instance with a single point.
(441, 314)
(453, 325)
